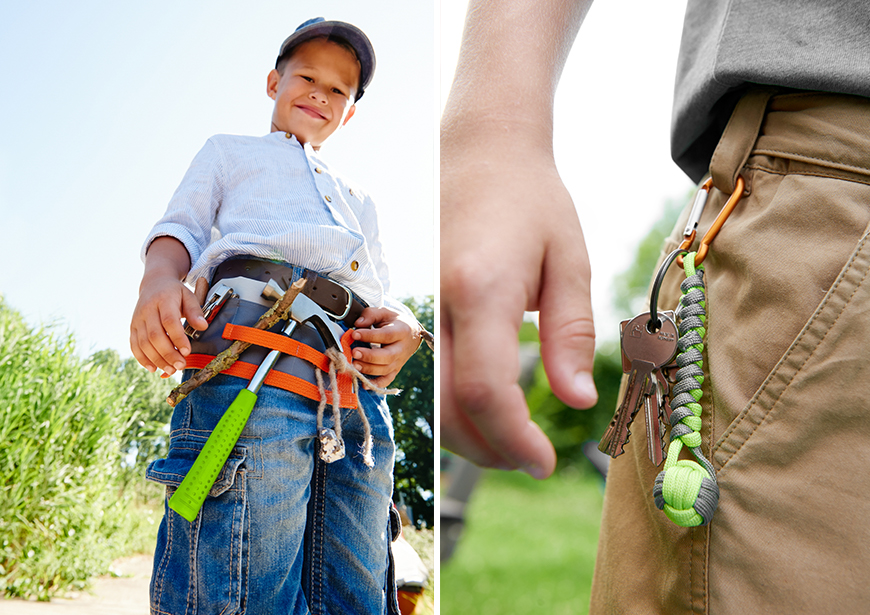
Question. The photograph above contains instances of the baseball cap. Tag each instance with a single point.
(318, 26)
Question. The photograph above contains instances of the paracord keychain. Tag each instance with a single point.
(686, 490)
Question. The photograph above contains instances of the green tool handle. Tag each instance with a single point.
(188, 498)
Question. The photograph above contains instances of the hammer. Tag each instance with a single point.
(188, 498)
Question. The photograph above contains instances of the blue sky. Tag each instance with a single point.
(104, 104)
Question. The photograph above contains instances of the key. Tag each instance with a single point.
(652, 404)
(665, 391)
(644, 351)
(657, 405)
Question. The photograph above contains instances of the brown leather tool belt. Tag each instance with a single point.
(301, 356)
(336, 299)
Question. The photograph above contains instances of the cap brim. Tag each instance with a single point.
(353, 35)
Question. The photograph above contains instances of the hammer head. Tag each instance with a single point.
(304, 309)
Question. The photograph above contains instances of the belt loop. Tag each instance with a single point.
(739, 138)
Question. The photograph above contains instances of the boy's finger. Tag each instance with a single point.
(138, 353)
(153, 356)
(374, 356)
(385, 380)
(372, 315)
(168, 338)
(373, 369)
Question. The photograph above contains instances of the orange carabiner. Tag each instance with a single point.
(690, 232)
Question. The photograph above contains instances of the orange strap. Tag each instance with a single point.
(288, 346)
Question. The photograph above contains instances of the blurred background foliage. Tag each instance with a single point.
(413, 414)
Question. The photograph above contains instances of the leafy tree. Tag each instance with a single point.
(413, 419)
(630, 288)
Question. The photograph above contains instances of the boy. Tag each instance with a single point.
(282, 530)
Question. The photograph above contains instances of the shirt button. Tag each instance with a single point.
(328, 198)
(354, 265)
(318, 169)
(288, 135)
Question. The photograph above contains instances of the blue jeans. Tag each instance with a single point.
(281, 531)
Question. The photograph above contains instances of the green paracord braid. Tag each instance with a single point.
(685, 490)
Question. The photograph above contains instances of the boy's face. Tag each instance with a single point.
(314, 96)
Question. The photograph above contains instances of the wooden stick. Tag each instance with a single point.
(279, 311)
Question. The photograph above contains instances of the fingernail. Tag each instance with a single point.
(184, 351)
(535, 471)
(584, 385)
(179, 365)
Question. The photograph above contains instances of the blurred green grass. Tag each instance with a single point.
(528, 546)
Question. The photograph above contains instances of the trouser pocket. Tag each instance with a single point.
(200, 566)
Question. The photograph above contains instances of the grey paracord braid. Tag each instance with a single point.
(688, 492)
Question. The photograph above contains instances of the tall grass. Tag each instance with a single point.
(72, 432)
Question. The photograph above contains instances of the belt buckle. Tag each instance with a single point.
(343, 315)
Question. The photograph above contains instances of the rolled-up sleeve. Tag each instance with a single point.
(192, 209)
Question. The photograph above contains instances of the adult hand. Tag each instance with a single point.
(398, 336)
(510, 237)
(510, 241)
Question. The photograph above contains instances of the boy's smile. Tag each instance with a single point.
(315, 94)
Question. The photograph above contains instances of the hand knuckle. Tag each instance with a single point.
(577, 331)
(476, 396)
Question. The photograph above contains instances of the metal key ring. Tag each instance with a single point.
(655, 323)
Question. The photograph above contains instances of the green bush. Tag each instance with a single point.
(72, 438)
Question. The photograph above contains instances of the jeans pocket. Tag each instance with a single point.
(200, 566)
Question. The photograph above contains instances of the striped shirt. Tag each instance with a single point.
(271, 197)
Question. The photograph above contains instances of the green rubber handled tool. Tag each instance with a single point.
(188, 498)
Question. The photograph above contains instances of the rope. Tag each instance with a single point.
(687, 491)
(338, 364)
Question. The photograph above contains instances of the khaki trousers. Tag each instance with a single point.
(786, 402)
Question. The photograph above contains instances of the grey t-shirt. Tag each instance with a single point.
(821, 45)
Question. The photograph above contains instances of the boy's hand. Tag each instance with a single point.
(157, 338)
(398, 336)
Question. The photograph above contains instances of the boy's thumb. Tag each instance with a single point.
(201, 290)
(190, 305)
